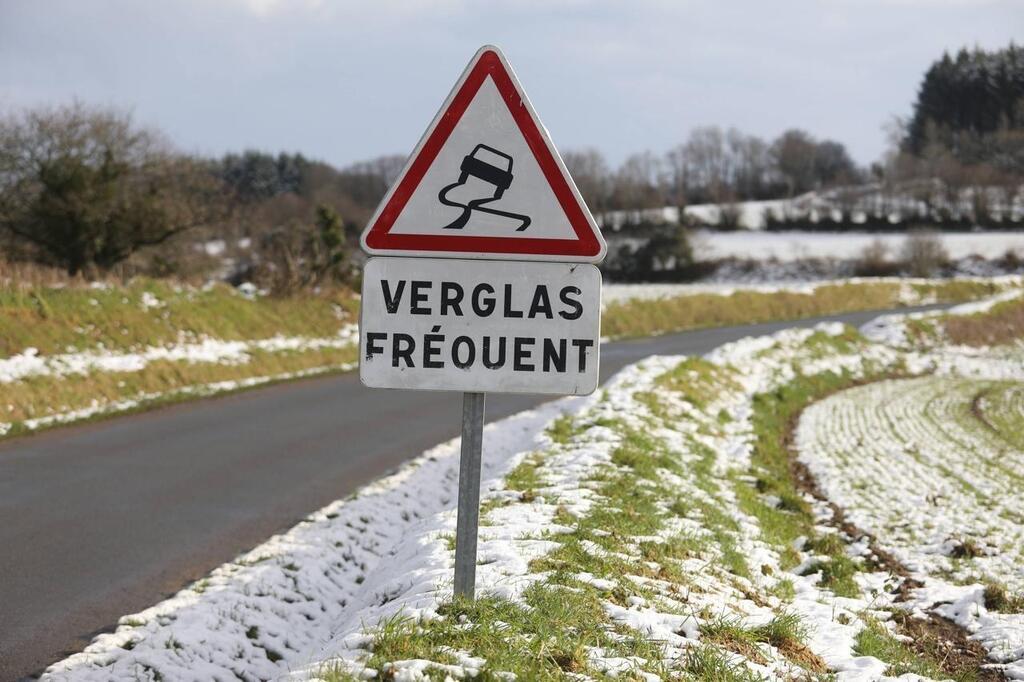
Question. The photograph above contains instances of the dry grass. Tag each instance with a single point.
(44, 309)
(42, 396)
(1003, 324)
(63, 319)
(660, 316)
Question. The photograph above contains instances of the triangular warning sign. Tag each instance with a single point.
(485, 181)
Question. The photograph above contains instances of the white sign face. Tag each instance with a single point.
(485, 182)
(485, 153)
(480, 326)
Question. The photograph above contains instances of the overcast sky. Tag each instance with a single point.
(346, 81)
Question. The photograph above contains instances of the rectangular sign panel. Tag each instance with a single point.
(480, 326)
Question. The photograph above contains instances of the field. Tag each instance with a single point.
(696, 519)
(793, 245)
(69, 353)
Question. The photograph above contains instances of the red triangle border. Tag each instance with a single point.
(488, 64)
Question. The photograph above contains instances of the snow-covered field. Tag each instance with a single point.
(643, 507)
(791, 246)
(953, 510)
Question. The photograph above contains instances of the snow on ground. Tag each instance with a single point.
(668, 436)
(271, 610)
(955, 510)
(795, 245)
(29, 364)
(761, 365)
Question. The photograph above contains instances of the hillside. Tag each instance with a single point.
(665, 528)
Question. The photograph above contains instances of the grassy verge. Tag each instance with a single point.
(680, 522)
(159, 383)
(156, 313)
(660, 316)
(1002, 324)
(773, 477)
(657, 533)
(118, 322)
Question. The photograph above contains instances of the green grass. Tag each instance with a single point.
(772, 467)
(785, 632)
(696, 380)
(544, 639)
(562, 429)
(709, 664)
(39, 396)
(525, 478)
(621, 539)
(563, 616)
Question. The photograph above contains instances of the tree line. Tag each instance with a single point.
(961, 151)
(88, 190)
(713, 166)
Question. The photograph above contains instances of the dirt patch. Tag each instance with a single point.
(802, 655)
(947, 643)
(979, 413)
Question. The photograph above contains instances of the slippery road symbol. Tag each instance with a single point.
(487, 173)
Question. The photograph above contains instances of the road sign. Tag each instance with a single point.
(480, 326)
(485, 181)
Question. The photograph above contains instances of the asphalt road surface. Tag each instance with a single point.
(107, 518)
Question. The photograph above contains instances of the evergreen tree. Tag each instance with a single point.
(963, 99)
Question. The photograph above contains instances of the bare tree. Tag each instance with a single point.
(794, 153)
(709, 163)
(751, 165)
(638, 182)
(87, 188)
(590, 172)
(677, 176)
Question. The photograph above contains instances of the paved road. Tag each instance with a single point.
(105, 519)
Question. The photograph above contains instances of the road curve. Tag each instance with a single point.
(107, 518)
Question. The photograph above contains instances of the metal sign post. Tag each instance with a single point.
(469, 494)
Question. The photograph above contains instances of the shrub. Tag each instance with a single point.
(923, 253)
(874, 261)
